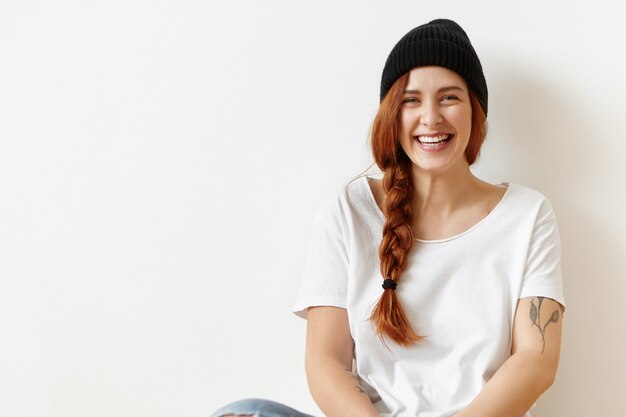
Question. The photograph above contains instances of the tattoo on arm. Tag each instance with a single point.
(358, 387)
(535, 317)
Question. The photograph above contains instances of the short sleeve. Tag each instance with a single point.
(542, 273)
(325, 276)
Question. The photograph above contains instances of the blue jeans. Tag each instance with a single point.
(258, 408)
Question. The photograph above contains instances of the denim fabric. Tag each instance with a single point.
(258, 408)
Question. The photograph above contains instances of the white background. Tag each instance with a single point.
(161, 162)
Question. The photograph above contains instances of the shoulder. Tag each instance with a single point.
(527, 192)
(526, 199)
(528, 211)
(351, 199)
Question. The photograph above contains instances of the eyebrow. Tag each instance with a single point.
(441, 90)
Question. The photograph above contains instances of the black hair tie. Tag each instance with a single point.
(389, 283)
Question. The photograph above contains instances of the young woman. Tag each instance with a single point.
(468, 319)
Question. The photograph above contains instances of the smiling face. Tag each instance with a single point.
(435, 120)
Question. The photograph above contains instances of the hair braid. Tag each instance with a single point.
(388, 315)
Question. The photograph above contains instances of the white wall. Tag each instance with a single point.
(161, 161)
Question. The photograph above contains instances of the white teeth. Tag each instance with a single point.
(432, 139)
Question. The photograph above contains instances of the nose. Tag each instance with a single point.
(431, 114)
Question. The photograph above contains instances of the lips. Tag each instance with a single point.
(433, 140)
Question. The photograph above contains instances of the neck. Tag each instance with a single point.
(443, 193)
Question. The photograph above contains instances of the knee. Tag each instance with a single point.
(248, 407)
(237, 415)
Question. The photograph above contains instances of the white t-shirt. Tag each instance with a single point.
(460, 292)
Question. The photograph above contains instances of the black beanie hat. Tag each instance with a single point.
(443, 43)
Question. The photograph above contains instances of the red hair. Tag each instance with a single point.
(388, 316)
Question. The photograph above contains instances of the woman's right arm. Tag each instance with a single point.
(328, 362)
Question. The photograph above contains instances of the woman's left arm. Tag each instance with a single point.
(531, 369)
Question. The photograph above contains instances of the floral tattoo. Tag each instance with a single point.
(535, 317)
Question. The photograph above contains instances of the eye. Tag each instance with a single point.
(449, 97)
(410, 100)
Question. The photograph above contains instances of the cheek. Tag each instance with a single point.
(405, 123)
(462, 120)
(406, 127)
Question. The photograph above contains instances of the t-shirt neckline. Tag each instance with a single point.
(496, 208)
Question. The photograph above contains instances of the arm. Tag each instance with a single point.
(531, 369)
(328, 361)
